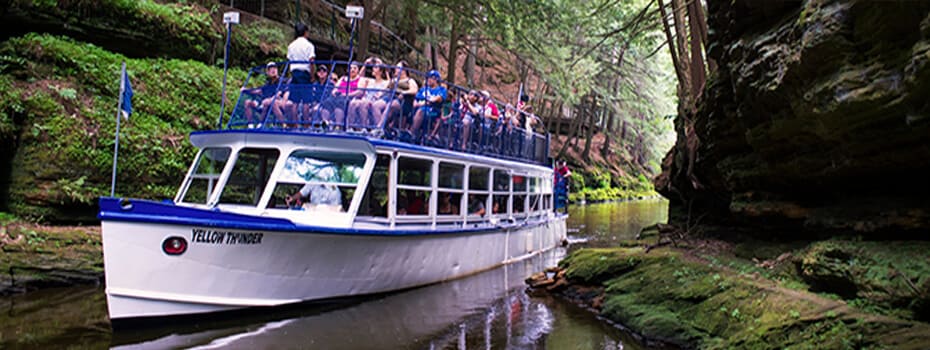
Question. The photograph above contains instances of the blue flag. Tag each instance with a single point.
(125, 89)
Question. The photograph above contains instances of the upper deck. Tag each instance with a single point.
(389, 103)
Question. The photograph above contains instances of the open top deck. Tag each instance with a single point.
(387, 103)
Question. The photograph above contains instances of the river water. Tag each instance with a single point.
(485, 311)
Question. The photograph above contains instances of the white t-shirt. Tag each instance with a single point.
(321, 194)
(300, 50)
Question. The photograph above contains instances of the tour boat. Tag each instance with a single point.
(388, 209)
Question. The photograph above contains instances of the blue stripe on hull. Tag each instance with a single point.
(139, 210)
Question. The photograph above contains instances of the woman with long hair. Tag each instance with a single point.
(405, 89)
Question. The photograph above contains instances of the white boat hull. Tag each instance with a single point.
(277, 268)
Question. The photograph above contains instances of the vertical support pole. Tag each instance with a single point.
(345, 118)
(219, 122)
(261, 12)
(119, 106)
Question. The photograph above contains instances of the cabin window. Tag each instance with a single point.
(535, 205)
(249, 176)
(501, 181)
(325, 180)
(547, 202)
(519, 194)
(203, 179)
(519, 203)
(478, 179)
(478, 191)
(535, 188)
(499, 203)
(376, 196)
(414, 186)
(450, 175)
(415, 172)
(451, 185)
(449, 204)
(519, 184)
(501, 200)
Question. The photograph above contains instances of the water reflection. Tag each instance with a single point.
(601, 225)
(485, 311)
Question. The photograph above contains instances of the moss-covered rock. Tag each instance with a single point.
(57, 119)
(885, 277)
(36, 256)
(153, 29)
(672, 296)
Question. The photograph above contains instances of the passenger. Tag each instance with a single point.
(322, 197)
(445, 206)
(301, 49)
(492, 125)
(490, 108)
(370, 108)
(415, 203)
(321, 85)
(406, 90)
(428, 102)
(346, 90)
(471, 115)
(268, 94)
(449, 116)
(476, 205)
(323, 76)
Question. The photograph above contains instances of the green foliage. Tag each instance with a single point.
(184, 30)
(65, 155)
(257, 42)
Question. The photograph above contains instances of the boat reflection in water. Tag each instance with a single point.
(487, 310)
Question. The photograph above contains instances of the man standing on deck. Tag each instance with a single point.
(301, 50)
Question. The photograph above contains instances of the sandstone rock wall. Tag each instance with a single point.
(818, 116)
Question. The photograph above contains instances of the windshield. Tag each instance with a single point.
(320, 181)
(202, 182)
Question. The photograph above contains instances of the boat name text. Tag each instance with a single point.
(225, 237)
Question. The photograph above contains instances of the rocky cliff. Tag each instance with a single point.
(817, 117)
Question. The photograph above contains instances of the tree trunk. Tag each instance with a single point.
(433, 55)
(605, 150)
(453, 49)
(470, 59)
(676, 61)
(592, 123)
(364, 33)
(681, 34)
(698, 76)
(410, 17)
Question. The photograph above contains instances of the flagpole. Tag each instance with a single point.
(119, 106)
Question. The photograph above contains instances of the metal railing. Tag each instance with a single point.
(344, 105)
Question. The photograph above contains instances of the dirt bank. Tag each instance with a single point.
(36, 256)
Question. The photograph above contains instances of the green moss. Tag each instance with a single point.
(66, 142)
(686, 301)
(891, 278)
(596, 265)
(183, 30)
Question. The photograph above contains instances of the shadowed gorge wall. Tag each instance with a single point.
(817, 117)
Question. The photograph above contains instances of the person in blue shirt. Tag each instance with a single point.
(428, 102)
